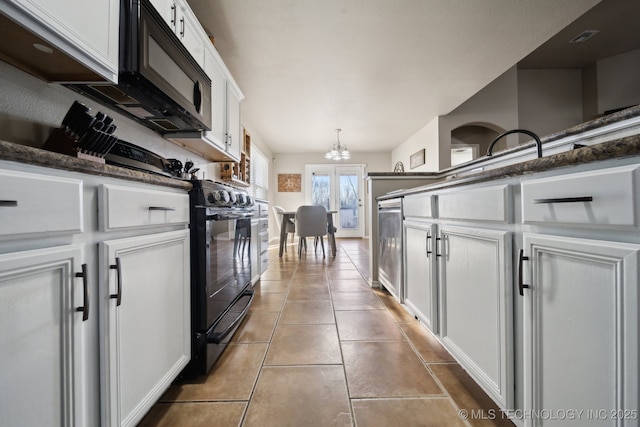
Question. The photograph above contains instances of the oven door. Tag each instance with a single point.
(221, 291)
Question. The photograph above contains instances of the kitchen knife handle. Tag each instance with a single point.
(161, 208)
(85, 286)
(118, 294)
(9, 203)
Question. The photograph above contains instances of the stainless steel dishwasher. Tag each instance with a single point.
(390, 246)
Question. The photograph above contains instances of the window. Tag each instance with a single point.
(259, 174)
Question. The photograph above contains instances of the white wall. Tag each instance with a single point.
(427, 138)
(495, 107)
(549, 100)
(618, 82)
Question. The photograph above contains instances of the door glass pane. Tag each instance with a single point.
(320, 190)
(348, 200)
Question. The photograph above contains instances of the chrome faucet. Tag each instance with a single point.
(509, 132)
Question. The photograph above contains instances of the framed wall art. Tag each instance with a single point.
(289, 182)
(417, 159)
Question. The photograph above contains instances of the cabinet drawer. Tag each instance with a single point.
(124, 207)
(419, 206)
(31, 203)
(606, 197)
(483, 204)
(264, 241)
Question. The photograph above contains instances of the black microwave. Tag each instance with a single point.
(159, 83)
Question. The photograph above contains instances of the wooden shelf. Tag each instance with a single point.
(239, 173)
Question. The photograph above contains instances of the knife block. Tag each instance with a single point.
(61, 142)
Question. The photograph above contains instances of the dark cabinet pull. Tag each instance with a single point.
(428, 245)
(161, 208)
(437, 240)
(118, 294)
(565, 200)
(9, 203)
(521, 286)
(85, 287)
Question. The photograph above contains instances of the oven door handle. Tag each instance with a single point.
(216, 338)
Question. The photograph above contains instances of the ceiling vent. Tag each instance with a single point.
(584, 36)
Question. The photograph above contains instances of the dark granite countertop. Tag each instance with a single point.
(615, 149)
(599, 122)
(36, 156)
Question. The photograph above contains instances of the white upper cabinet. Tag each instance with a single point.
(86, 31)
(225, 133)
(180, 18)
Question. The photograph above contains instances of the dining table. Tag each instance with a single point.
(291, 215)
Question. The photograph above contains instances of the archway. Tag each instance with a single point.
(470, 141)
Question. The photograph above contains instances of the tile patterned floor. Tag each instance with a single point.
(321, 348)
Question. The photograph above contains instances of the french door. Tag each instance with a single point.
(340, 189)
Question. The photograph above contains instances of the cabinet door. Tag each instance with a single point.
(191, 33)
(581, 329)
(86, 30)
(234, 141)
(168, 10)
(42, 348)
(420, 292)
(218, 99)
(145, 320)
(476, 306)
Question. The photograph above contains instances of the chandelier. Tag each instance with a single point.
(338, 151)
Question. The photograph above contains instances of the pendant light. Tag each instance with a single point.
(338, 151)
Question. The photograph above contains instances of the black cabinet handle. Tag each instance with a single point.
(161, 208)
(118, 294)
(521, 286)
(437, 240)
(428, 245)
(9, 203)
(173, 15)
(85, 287)
(565, 200)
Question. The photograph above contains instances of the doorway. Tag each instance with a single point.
(338, 188)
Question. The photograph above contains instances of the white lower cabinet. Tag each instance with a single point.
(420, 284)
(145, 321)
(476, 305)
(581, 330)
(42, 337)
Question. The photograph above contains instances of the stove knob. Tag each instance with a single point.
(224, 197)
(232, 198)
(242, 199)
(219, 198)
(249, 200)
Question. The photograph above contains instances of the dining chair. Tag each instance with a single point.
(242, 236)
(290, 226)
(311, 221)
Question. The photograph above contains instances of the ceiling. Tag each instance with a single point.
(378, 69)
